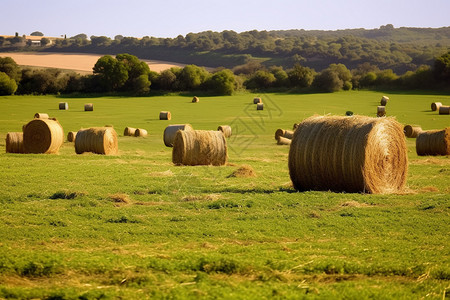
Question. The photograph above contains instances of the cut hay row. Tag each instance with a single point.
(171, 131)
(412, 131)
(71, 136)
(14, 142)
(444, 110)
(165, 115)
(199, 147)
(43, 136)
(99, 140)
(225, 129)
(433, 142)
(351, 154)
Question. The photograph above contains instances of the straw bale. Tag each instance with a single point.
(199, 147)
(195, 99)
(284, 133)
(295, 126)
(100, 140)
(71, 136)
(412, 131)
(43, 136)
(384, 100)
(89, 107)
(444, 110)
(259, 106)
(381, 111)
(225, 129)
(41, 116)
(171, 131)
(63, 106)
(129, 131)
(165, 115)
(435, 106)
(351, 154)
(14, 142)
(433, 142)
(283, 141)
(140, 132)
(257, 100)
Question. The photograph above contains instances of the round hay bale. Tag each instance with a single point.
(195, 99)
(259, 106)
(71, 136)
(89, 107)
(357, 154)
(100, 140)
(41, 116)
(171, 131)
(435, 106)
(63, 106)
(43, 136)
(283, 141)
(129, 131)
(140, 132)
(412, 131)
(14, 142)
(384, 100)
(433, 142)
(199, 147)
(444, 110)
(284, 133)
(225, 129)
(257, 100)
(381, 111)
(165, 115)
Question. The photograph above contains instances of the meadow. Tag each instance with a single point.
(135, 226)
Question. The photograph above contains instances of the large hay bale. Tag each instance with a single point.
(199, 147)
(257, 100)
(195, 99)
(165, 115)
(41, 116)
(381, 111)
(129, 131)
(14, 142)
(225, 129)
(43, 136)
(351, 154)
(171, 131)
(435, 106)
(284, 133)
(89, 107)
(283, 141)
(412, 131)
(444, 110)
(384, 100)
(433, 142)
(63, 106)
(260, 106)
(71, 136)
(100, 140)
(140, 132)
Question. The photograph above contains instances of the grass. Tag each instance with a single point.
(135, 226)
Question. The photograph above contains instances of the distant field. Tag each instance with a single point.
(82, 63)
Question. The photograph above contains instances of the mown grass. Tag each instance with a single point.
(135, 226)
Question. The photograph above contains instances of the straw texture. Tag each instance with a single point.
(433, 142)
(129, 131)
(435, 106)
(100, 140)
(225, 129)
(140, 132)
(199, 147)
(165, 115)
(412, 131)
(444, 110)
(284, 133)
(171, 131)
(283, 141)
(351, 154)
(43, 136)
(71, 136)
(14, 142)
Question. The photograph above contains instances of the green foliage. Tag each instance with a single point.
(36, 33)
(442, 68)
(222, 82)
(8, 85)
(300, 76)
(261, 79)
(328, 81)
(191, 77)
(112, 74)
(42, 81)
(10, 67)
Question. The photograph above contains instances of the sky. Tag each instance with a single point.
(170, 18)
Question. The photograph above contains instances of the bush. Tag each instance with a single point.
(8, 86)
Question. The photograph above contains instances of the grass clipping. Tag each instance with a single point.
(433, 142)
(199, 147)
(351, 154)
(100, 140)
(42, 136)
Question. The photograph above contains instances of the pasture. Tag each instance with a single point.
(135, 226)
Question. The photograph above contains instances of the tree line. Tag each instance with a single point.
(125, 73)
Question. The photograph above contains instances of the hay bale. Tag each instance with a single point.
(384, 100)
(165, 115)
(41, 116)
(433, 142)
(435, 106)
(14, 142)
(295, 126)
(351, 154)
(140, 132)
(43, 136)
(171, 131)
(71, 136)
(284, 133)
(444, 110)
(257, 100)
(381, 111)
(195, 99)
(89, 107)
(199, 147)
(63, 106)
(259, 106)
(100, 140)
(225, 129)
(283, 141)
(412, 131)
(129, 131)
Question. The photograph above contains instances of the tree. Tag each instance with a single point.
(282, 78)
(8, 86)
(300, 76)
(111, 73)
(223, 82)
(166, 80)
(37, 33)
(45, 41)
(11, 68)
(260, 80)
(328, 81)
(441, 69)
(135, 69)
(141, 85)
(192, 77)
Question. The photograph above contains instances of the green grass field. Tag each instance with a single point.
(134, 226)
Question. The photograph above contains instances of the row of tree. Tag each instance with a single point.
(127, 74)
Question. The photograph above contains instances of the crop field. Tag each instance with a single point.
(135, 226)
